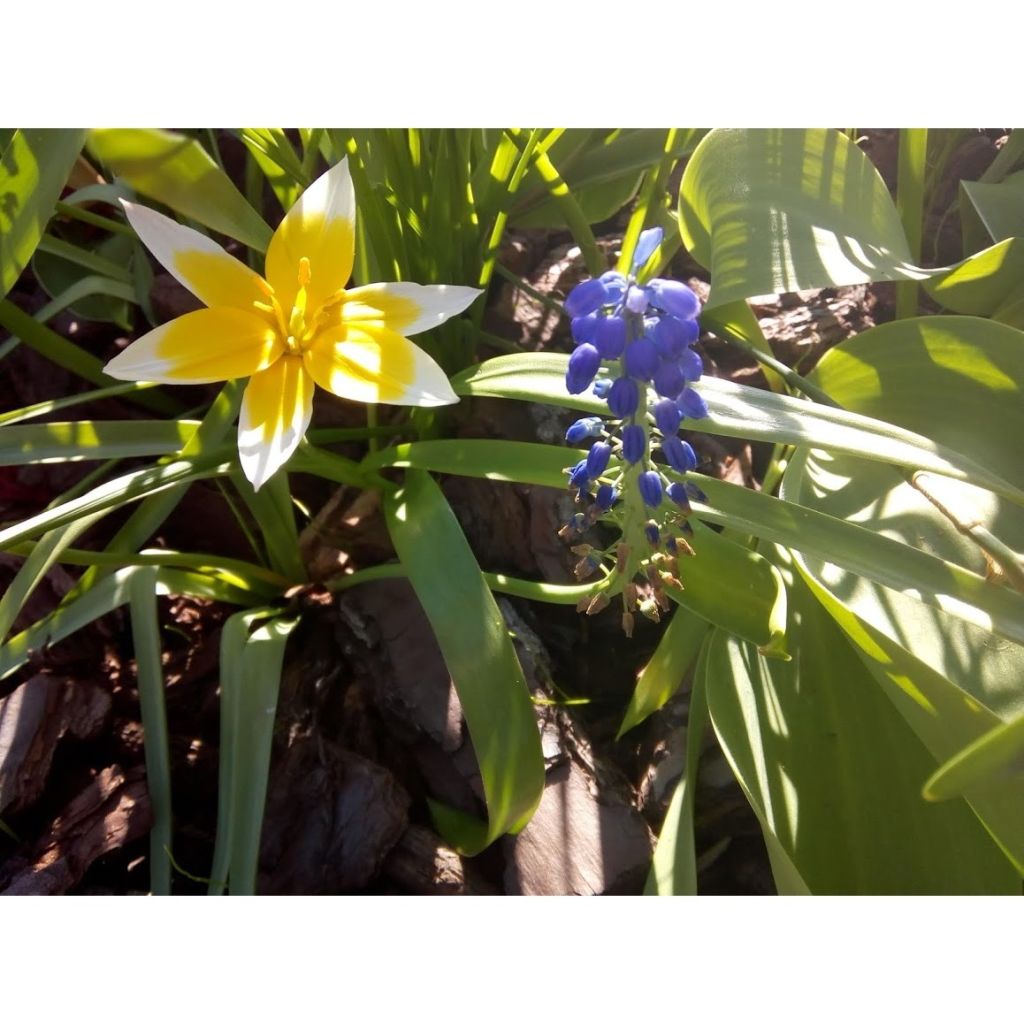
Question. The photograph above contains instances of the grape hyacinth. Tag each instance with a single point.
(645, 333)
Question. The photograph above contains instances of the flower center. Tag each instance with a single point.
(299, 327)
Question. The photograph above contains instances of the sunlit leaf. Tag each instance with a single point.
(835, 775)
(474, 640)
(34, 166)
(176, 171)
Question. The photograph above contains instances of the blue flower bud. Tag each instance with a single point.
(650, 488)
(610, 336)
(648, 241)
(589, 426)
(653, 534)
(579, 477)
(680, 455)
(585, 298)
(584, 328)
(641, 359)
(601, 387)
(606, 496)
(583, 366)
(673, 336)
(691, 364)
(623, 397)
(692, 404)
(669, 379)
(614, 286)
(636, 299)
(677, 492)
(668, 416)
(633, 446)
(674, 297)
(597, 459)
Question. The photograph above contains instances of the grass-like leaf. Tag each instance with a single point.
(474, 640)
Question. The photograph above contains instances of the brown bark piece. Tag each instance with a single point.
(422, 864)
(332, 818)
(33, 720)
(111, 811)
(581, 841)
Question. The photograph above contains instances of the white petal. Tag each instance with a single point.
(276, 409)
(214, 276)
(406, 307)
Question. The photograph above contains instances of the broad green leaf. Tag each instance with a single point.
(834, 775)
(659, 679)
(34, 167)
(989, 283)
(999, 205)
(474, 640)
(739, 411)
(938, 661)
(921, 576)
(780, 210)
(999, 752)
(674, 867)
(725, 583)
(277, 160)
(176, 171)
(83, 440)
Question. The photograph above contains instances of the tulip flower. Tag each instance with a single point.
(292, 328)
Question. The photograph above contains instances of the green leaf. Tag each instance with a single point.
(34, 168)
(110, 593)
(84, 440)
(985, 284)
(752, 605)
(999, 752)
(662, 676)
(474, 640)
(999, 205)
(780, 210)
(142, 590)
(834, 775)
(738, 411)
(176, 171)
(121, 490)
(938, 661)
(251, 708)
(602, 170)
(674, 868)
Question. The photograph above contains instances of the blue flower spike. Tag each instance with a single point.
(634, 351)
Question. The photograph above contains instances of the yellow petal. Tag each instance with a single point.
(370, 364)
(215, 277)
(200, 347)
(276, 409)
(321, 227)
(406, 307)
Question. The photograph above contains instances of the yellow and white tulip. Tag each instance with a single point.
(294, 327)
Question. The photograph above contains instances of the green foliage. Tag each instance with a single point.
(853, 639)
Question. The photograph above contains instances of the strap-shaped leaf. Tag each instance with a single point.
(34, 166)
(725, 584)
(739, 411)
(474, 640)
(177, 171)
